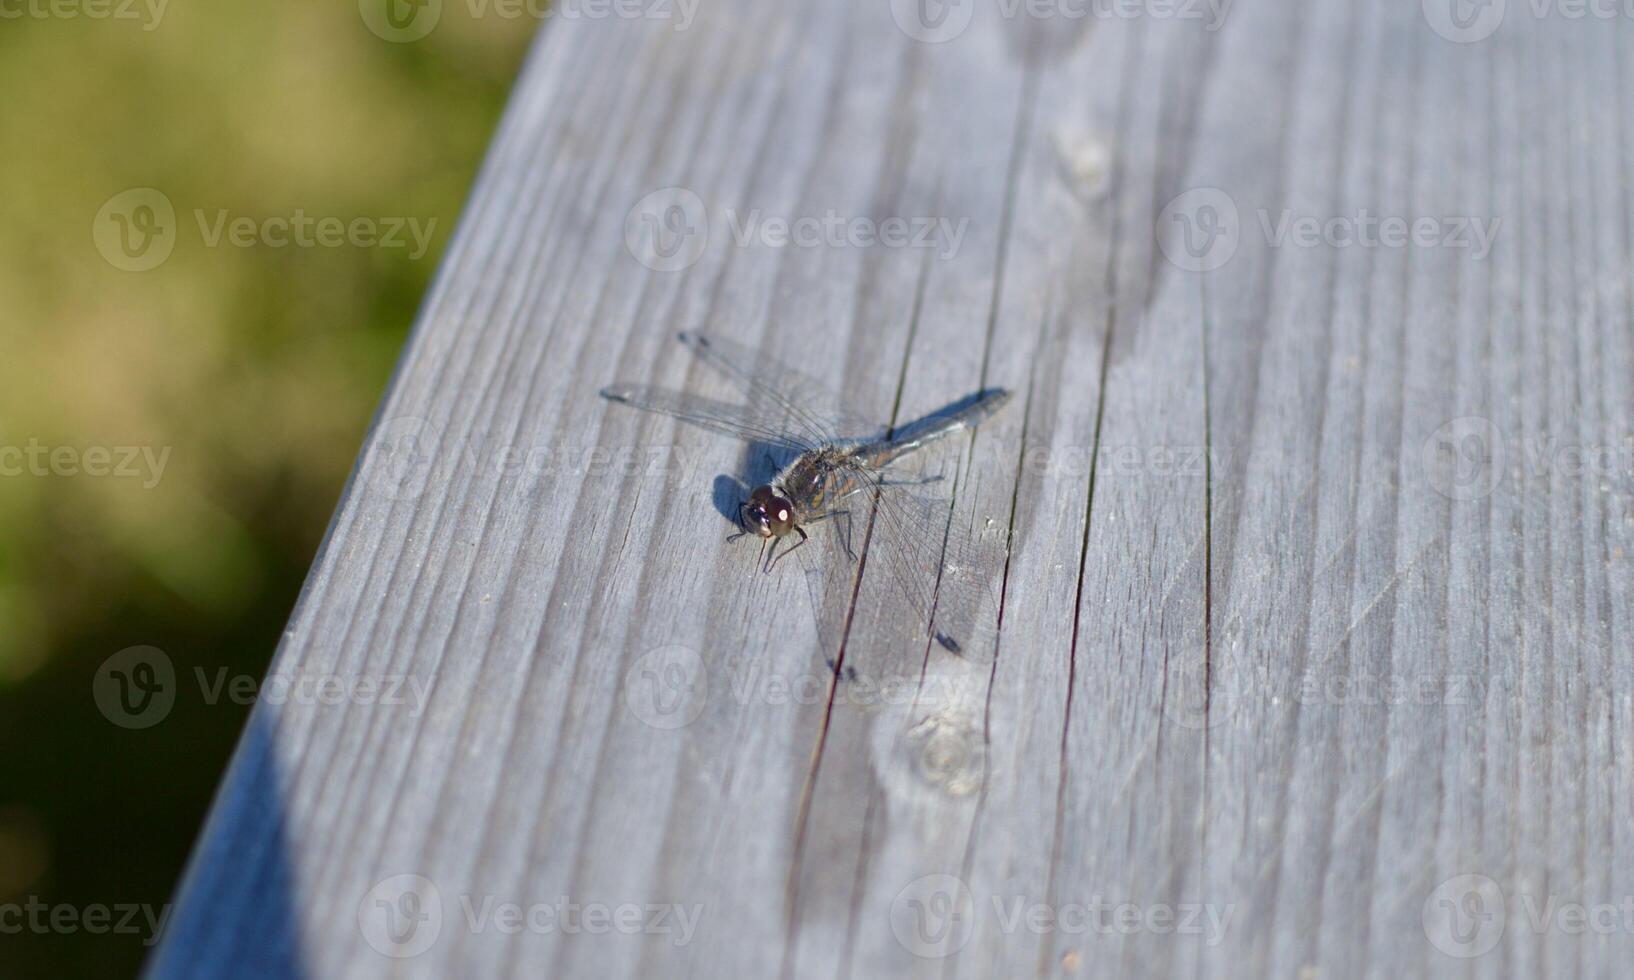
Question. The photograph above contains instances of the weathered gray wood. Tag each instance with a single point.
(1256, 662)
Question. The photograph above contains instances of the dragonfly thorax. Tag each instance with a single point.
(769, 512)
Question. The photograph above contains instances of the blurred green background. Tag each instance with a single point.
(256, 367)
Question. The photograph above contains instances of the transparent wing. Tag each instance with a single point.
(734, 420)
(814, 409)
(948, 571)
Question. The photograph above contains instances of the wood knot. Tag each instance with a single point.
(948, 753)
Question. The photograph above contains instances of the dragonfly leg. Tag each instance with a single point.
(774, 558)
(845, 540)
(743, 530)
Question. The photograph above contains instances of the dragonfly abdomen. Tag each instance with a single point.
(932, 428)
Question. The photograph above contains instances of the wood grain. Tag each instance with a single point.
(1314, 545)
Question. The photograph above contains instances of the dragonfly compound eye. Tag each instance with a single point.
(779, 515)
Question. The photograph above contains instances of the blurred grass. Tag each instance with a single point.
(257, 368)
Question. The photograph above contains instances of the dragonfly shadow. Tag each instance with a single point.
(729, 493)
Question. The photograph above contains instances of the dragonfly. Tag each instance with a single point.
(840, 468)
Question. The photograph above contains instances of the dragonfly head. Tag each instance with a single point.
(769, 513)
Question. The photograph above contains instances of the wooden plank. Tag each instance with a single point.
(1291, 679)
